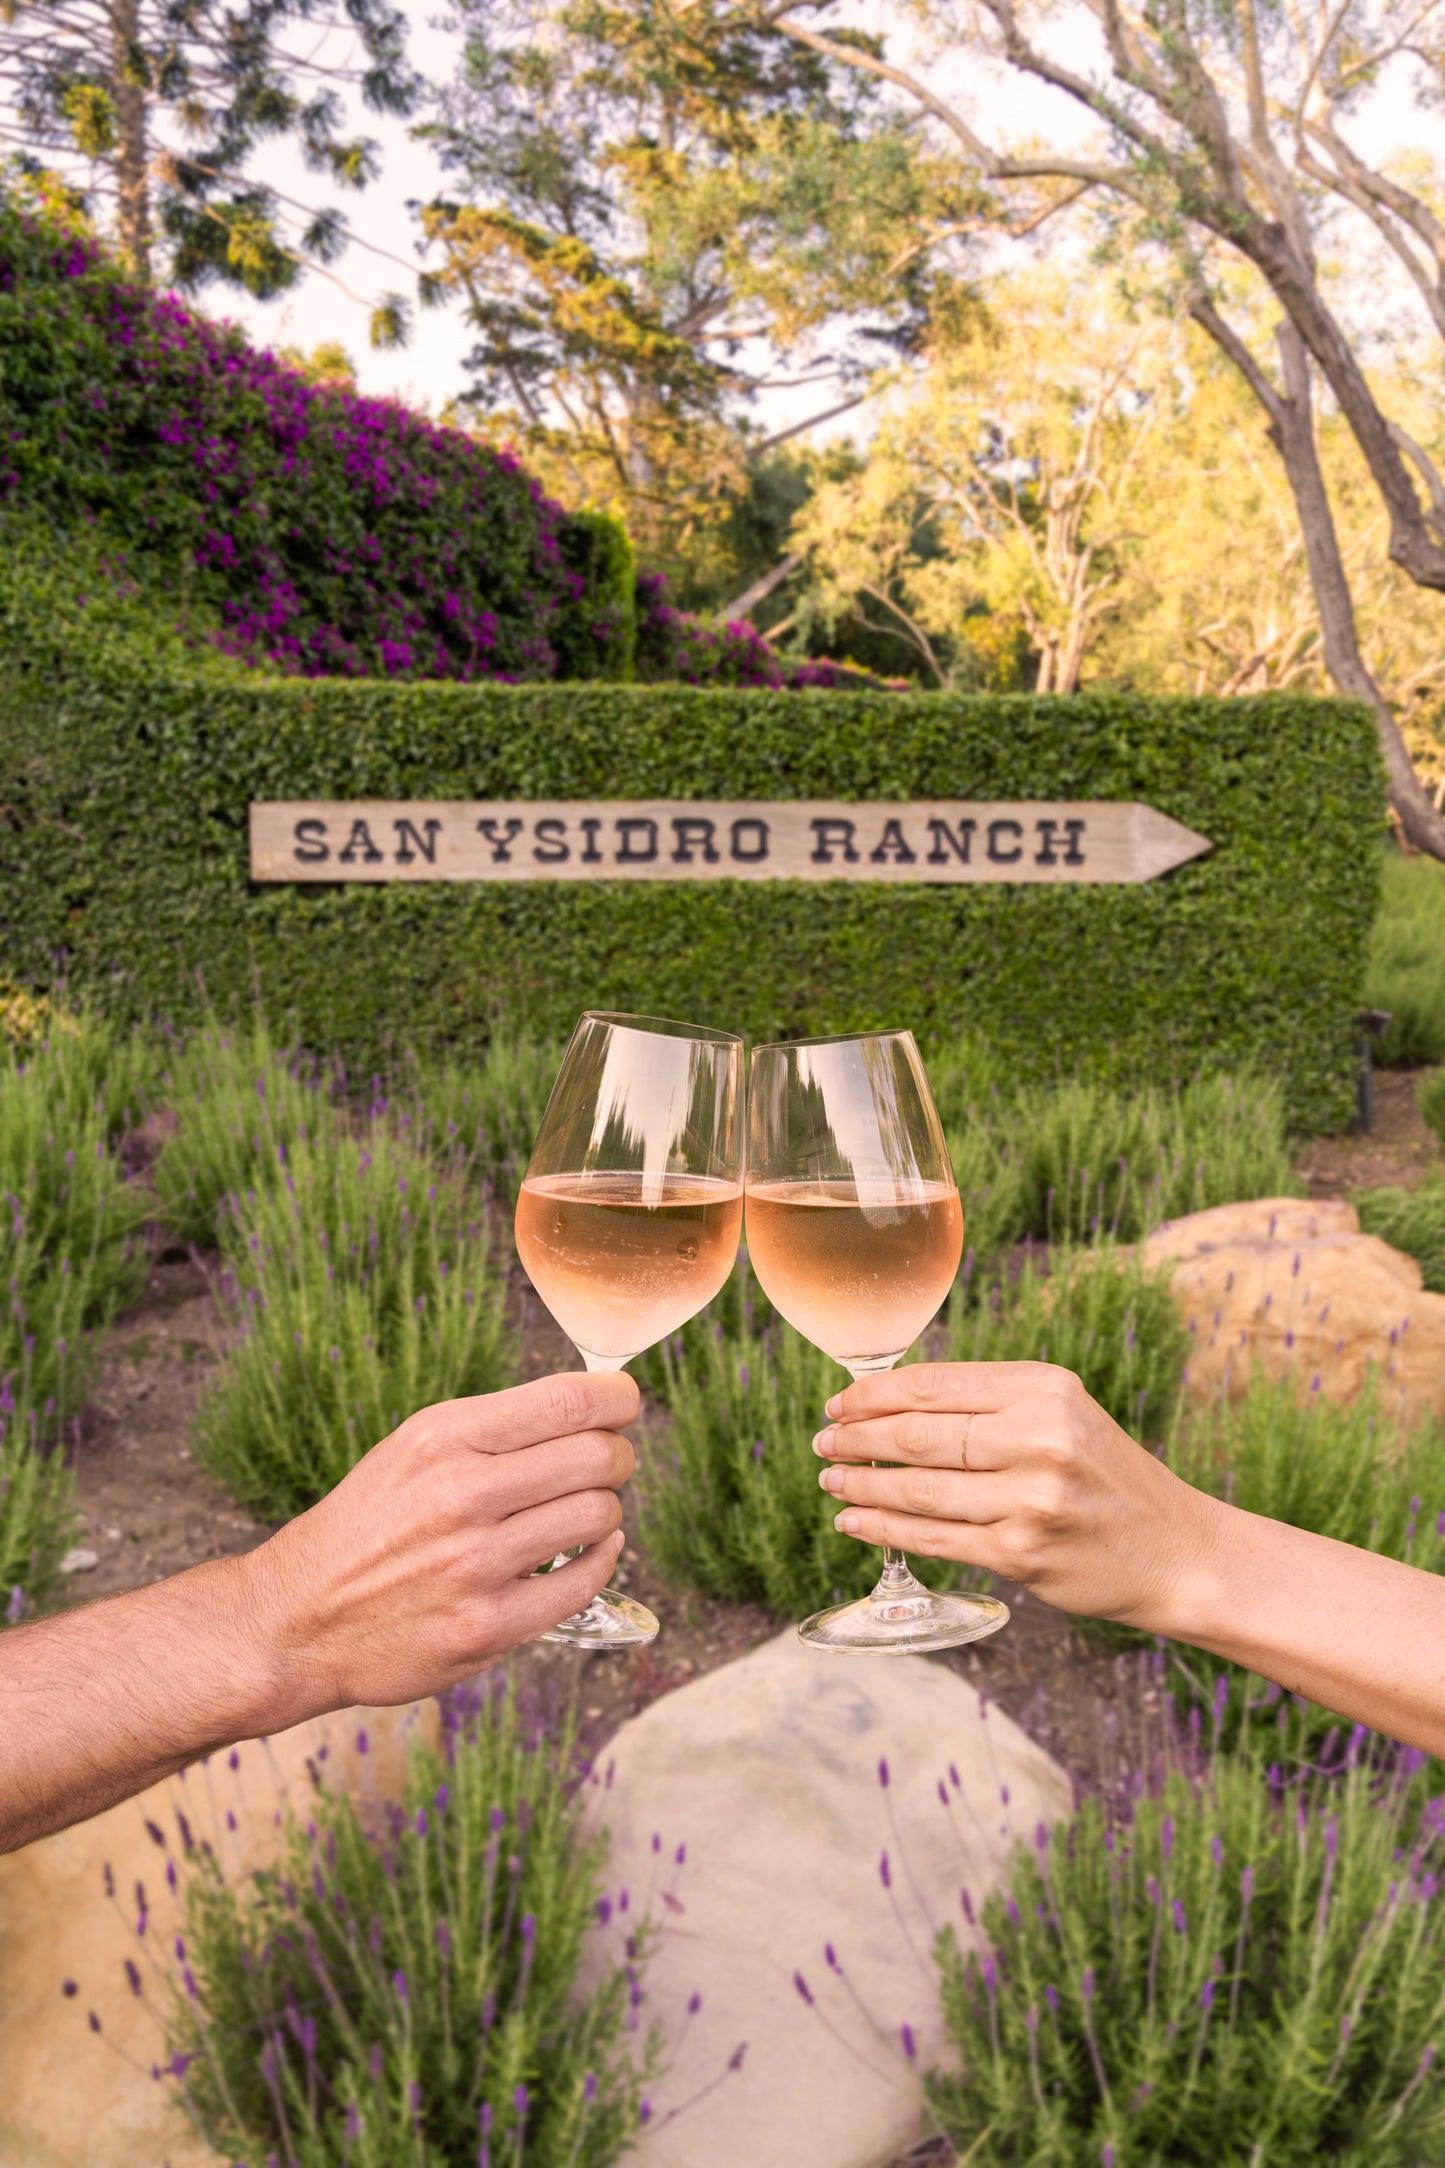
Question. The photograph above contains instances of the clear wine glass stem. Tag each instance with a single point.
(594, 1363)
(897, 1578)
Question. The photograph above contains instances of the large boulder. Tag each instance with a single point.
(1293, 1289)
(768, 1776)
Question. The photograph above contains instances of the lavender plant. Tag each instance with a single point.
(489, 1110)
(405, 1993)
(240, 1102)
(1090, 1156)
(360, 1285)
(69, 1261)
(1066, 1162)
(730, 1496)
(1095, 1311)
(1233, 1969)
(37, 1496)
(1412, 1220)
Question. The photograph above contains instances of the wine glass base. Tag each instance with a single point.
(903, 1623)
(610, 1621)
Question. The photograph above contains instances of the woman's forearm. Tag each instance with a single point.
(1360, 1634)
(1012, 1467)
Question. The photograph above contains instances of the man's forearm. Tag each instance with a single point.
(1360, 1634)
(100, 1702)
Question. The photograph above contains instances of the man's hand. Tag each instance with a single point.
(415, 1571)
(418, 1568)
(1012, 1467)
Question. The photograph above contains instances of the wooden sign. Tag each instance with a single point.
(695, 839)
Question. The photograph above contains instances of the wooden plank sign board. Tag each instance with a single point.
(696, 839)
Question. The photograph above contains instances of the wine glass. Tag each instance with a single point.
(630, 1210)
(855, 1230)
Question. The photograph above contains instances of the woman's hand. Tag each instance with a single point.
(1012, 1467)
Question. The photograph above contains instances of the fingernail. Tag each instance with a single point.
(846, 1523)
(825, 1442)
(831, 1479)
(833, 1407)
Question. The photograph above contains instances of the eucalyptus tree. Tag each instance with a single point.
(1227, 130)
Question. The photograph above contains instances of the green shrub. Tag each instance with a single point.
(1412, 1220)
(730, 1496)
(1430, 1098)
(101, 745)
(1092, 1311)
(1404, 975)
(1067, 1161)
(395, 1994)
(1228, 1973)
(1343, 1471)
(240, 1103)
(360, 1287)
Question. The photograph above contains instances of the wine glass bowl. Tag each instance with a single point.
(855, 1232)
(630, 1209)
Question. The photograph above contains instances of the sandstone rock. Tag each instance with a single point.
(767, 1774)
(68, 2099)
(1293, 1289)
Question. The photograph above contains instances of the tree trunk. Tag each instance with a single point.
(1291, 428)
(1415, 545)
(133, 211)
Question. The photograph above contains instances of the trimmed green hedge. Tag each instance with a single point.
(123, 861)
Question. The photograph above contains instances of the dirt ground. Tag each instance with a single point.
(1398, 1153)
(150, 1508)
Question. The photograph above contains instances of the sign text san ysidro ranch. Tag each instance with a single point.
(667, 839)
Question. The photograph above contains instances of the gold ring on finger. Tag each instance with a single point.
(963, 1447)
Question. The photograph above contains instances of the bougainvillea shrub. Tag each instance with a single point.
(317, 531)
(310, 529)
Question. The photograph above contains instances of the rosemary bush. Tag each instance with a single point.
(360, 1287)
(1412, 1220)
(1093, 1311)
(1233, 1971)
(239, 1101)
(406, 1995)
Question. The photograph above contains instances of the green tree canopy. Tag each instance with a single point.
(653, 217)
